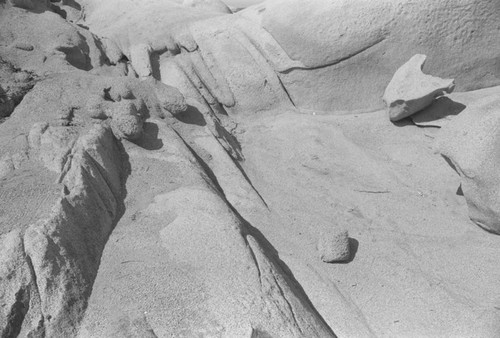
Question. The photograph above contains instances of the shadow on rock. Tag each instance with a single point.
(353, 246)
(441, 108)
(192, 116)
(149, 139)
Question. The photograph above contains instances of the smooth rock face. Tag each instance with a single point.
(351, 48)
(126, 208)
(471, 145)
(410, 90)
(338, 55)
(333, 246)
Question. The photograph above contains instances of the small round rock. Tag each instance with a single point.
(333, 246)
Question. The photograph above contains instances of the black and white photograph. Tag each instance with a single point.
(249, 168)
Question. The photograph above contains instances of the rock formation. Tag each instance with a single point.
(470, 145)
(410, 90)
(166, 166)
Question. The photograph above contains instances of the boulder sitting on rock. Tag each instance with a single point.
(333, 246)
(410, 90)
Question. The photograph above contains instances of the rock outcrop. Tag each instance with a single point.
(470, 143)
(337, 56)
(127, 206)
(46, 43)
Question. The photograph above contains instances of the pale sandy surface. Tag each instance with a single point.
(422, 268)
(133, 209)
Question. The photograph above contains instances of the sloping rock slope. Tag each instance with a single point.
(128, 208)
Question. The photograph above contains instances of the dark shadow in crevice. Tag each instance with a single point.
(192, 116)
(212, 179)
(6, 104)
(55, 6)
(155, 65)
(72, 4)
(77, 56)
(149, 139)
(242, 171)
(403, 122)
(107, 95)
(441, 108)
(450, 163)
(59, 11)
(120, 211)
(103, 59)
(230, 139)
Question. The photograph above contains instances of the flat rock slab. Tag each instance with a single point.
(410, 90)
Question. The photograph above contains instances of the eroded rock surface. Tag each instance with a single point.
(470, 144)
(160, 173)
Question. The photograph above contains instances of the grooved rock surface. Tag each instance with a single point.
(166, 168)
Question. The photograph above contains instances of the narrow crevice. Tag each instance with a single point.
(13, 91)
(285, 90)
(242, 171)
(214, 183)
(290, 307)
(254, 257)
(41, 327)
(18, 311)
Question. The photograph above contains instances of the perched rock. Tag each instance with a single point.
(471, 145)
(351, 48)
(170, 98)
(333, 246)
(127, 122)
(410, 90)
